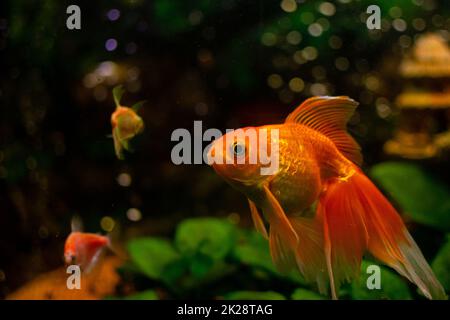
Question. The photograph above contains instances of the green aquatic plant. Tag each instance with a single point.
(422, 196)
(441, 265)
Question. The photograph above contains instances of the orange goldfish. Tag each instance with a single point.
(318, 210)
(84, 249)
(125, 123)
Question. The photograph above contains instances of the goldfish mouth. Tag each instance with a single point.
(69, 258)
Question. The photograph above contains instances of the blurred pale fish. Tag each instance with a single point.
(125, 122)
(84, 249)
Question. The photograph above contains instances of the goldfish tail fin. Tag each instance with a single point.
(357, 217)
(118, 148)
(390, 241)
(345, 234)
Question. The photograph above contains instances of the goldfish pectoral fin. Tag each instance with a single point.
(310, 256)
(126, 145)
(283, 256)
(93, 261)
(390, 241)
(118, 148)
(278, 219)
(329, 116)
(257, 219)
(117, 94)
(138, 105)
(345, 233)
(140, 127)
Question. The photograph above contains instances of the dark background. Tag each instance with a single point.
(191, 60)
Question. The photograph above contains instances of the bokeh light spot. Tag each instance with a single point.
(399, 25)
(234, 217)
(310, 53)
(134, 214)
(288, 5)
(294, 37)
(113, 14)
(124, 179)
(195, 17)
(341, 63)
(315, 29)
(318, 89)
(111, 44)
(327, 8)
(419, 24)
(269, 39)
(107, 223)
(274, 81)
(296, 84)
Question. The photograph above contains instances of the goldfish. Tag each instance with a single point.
(82, 248)
(125, 122)
(318, 210)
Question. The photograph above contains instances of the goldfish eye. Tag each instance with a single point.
(238, 149)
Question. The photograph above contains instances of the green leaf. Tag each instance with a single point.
(254, 295)
(118, 92)
(211, 237)
(303, 294)
(156, 258)
(212, 274)
(253, 250)
(422, 197)
(441, 265)
(144, 295)
(393, 287)
(200, 265)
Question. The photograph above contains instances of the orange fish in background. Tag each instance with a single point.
(125, 122)
(323, 212)
(84, 249)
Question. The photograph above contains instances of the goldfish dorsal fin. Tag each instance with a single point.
(329, 116)
(76, 224)
(118, 92)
